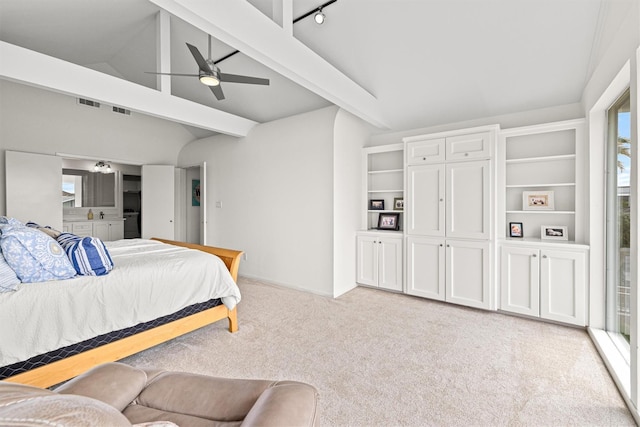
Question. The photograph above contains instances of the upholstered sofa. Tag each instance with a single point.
(116, 394)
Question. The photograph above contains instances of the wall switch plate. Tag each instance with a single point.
(218, 204)
(244, 256)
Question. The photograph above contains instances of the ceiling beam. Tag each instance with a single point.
(239, 24)
(35, 69)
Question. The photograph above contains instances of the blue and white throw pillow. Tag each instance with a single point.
(34, 256)
(88, 255)
(8, 279)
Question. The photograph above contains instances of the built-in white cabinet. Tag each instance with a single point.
(379, 261)
(451, 199)
(456, 271)
(448, 216)
(546, 281)
(430, 149)
(105, 230)
(109, 230)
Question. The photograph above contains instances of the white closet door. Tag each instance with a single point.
(158, 204)
(34, 188)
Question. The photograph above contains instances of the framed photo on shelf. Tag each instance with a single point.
(376, 205)
(388, 221)
(398, 204)
(515, 229)
(554, 232)
(537, 200)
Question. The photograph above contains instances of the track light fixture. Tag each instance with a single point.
(102, 167)
(319, 17)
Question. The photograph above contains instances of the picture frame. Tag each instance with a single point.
(376, 205)
(537, 200)
(516, 229)
(195, 192)
(554, 232)
(389, 221)
(398, 204)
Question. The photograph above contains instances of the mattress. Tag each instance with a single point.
(149, 280)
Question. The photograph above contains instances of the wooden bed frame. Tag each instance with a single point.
(62, 370)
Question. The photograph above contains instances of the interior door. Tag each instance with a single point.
(34, 188)
(203, 203)
(158, 201)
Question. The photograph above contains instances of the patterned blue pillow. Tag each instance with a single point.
(8, 279)
(34, 256)
(88, 255)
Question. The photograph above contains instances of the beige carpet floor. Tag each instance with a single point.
(384, 359)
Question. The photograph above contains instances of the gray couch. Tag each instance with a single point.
(116, 394)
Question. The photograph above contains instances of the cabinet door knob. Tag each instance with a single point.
(442, 200)
(424, 158)
(440, 244)
(448, 246)
(534, 255)
(466, 154)
(544, 256)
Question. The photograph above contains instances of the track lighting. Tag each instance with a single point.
(319, 17)
(102, 167)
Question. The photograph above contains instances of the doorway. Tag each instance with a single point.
(131, 206)
(196, 212)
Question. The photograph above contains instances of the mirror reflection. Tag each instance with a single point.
(83, 188)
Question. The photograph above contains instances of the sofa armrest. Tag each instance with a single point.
(288, 403)
(115, 384)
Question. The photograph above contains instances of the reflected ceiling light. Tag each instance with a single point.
(319, 17)
(102, 167)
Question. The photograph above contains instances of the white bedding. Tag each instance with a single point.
(149, 280)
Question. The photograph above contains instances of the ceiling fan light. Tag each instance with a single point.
(319, 17)
(209, 80)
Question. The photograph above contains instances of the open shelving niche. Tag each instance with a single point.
(383, 179)
(548, 157)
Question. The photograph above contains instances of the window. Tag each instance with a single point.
(618, 230)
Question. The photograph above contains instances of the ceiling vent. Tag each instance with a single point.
(122, 111)
(89, 103)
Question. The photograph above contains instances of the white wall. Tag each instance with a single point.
(276, 190)
(350, 135)
(40, 121)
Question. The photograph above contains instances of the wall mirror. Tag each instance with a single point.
(87, 189)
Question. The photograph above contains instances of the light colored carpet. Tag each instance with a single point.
(384, 359)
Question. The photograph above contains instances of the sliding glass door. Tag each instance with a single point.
(618, 214)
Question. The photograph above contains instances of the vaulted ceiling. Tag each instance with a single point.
(425, 62)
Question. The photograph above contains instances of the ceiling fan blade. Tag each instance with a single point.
(202, 63)
(234, 78)
(173, 74)
(217, 91)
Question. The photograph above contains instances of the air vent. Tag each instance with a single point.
(89, 103)
(122, 111)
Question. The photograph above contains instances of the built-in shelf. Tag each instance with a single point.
(543, 212)
(541, 159)
(385, 191)
(546, 157)
(553, 184)
(386, 171)
(383, 179)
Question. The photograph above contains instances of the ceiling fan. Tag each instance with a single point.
(210, 75)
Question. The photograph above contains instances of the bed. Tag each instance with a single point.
(158, 290)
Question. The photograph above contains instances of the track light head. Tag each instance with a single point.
(319, 17)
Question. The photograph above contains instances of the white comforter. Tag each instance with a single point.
(149, 280)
